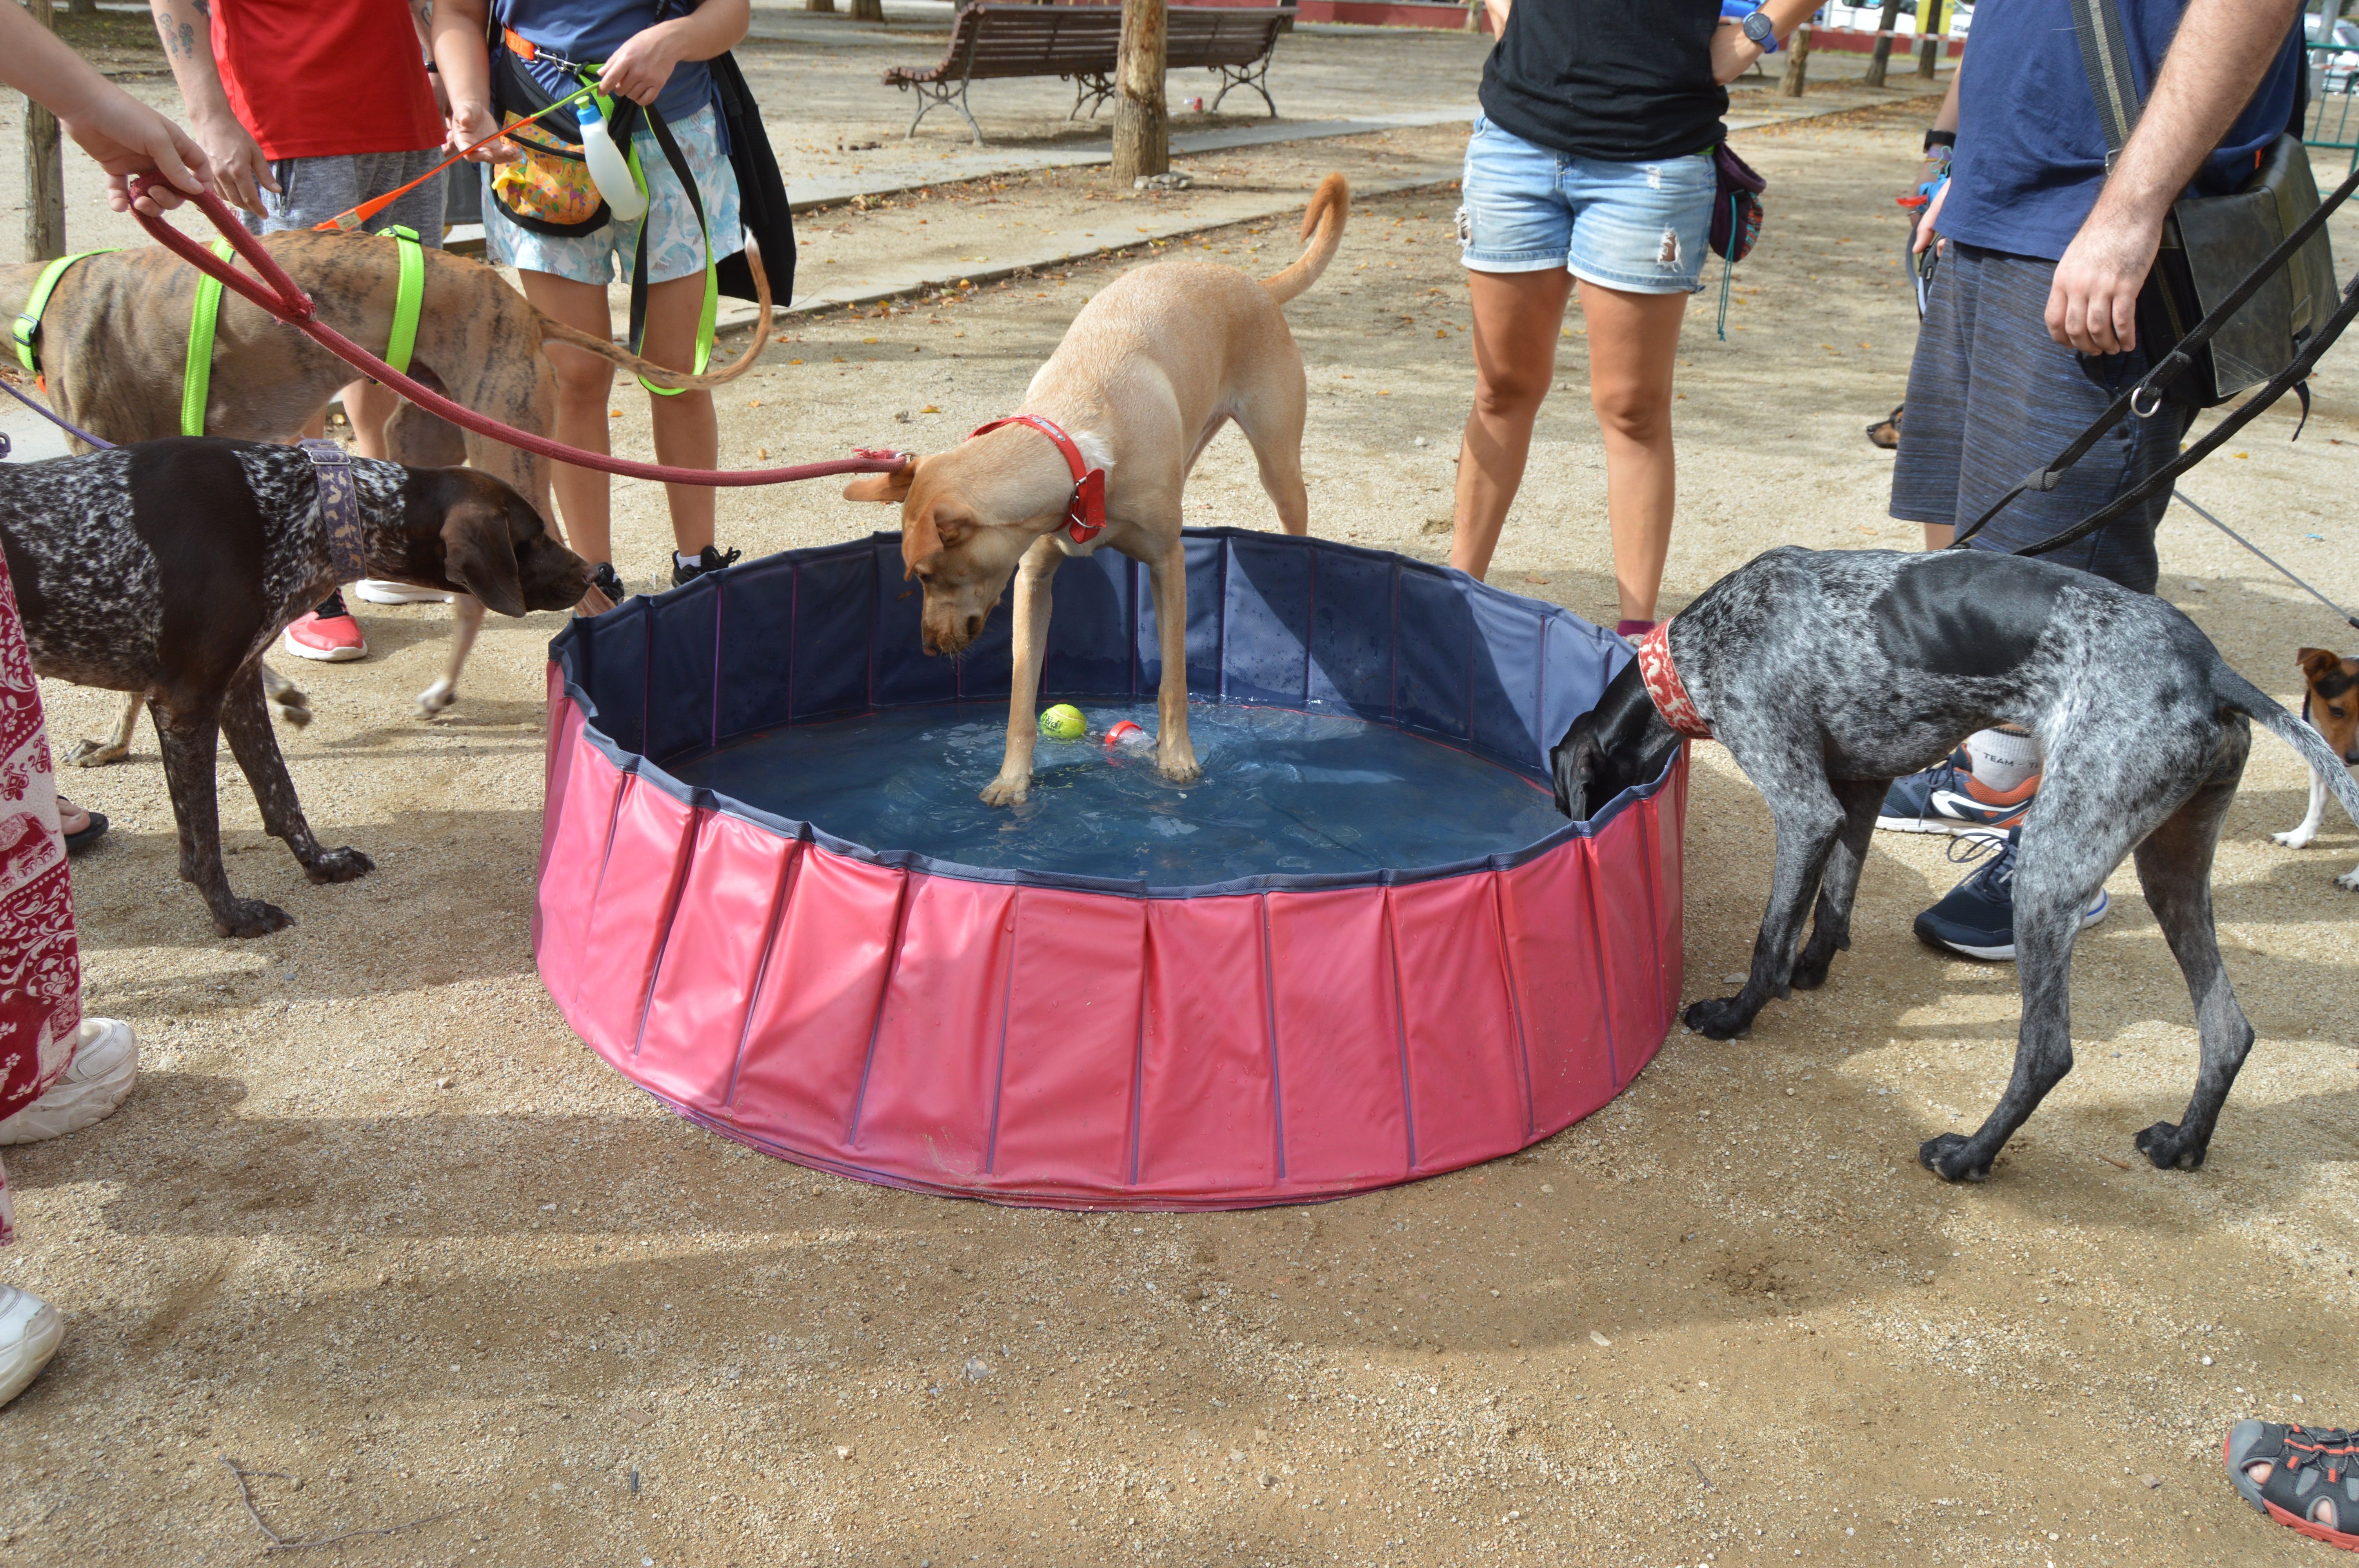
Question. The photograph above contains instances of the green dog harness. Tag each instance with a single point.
(196, 380)
(28, 321)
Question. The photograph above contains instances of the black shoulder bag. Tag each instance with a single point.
(2212, 243)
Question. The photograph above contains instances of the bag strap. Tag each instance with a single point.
(2106, 56)
(28, 321)
(197, 375)
(707, 316)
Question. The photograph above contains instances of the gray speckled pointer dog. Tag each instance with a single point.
(1828, 675)
(165, 569)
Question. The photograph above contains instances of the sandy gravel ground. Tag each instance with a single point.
(374, 1220)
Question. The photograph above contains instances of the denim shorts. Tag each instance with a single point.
(1639, 227)
(675, 245)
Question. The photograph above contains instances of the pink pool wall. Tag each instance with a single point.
(1041, 1045)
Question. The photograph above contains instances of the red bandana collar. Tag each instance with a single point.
(1086, 517)
(1663, 685)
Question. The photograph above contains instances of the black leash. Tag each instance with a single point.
(2180, 497)
(2145, 399)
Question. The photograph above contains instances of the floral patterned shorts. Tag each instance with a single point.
(675, 245)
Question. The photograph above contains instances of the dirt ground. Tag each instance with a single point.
(374, 1219)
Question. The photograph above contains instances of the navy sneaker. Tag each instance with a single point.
(1977, 916)
(707, 560)
(1948, 798)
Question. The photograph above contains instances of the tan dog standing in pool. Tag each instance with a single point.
(1099, 454)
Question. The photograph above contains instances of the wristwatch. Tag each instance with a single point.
(1757, 28)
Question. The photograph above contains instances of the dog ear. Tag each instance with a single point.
(2317, 663)
(919, 540)
(893, 487)
(479, 555)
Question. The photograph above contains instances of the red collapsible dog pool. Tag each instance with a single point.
(1310, 1025)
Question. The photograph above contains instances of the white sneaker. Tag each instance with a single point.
(105, 1065)
(377, 591)
(30, 1329)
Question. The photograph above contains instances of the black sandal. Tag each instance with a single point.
(1885, 432)
(77, 842)
(2310, 1468)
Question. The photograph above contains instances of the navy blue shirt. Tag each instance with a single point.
(592, 30)
(2031, 151)
(2030, 140)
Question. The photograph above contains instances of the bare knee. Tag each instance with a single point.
(582, 379)
(1635, 412)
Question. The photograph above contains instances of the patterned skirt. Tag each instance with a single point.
(41, 968)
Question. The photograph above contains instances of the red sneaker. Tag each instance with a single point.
(327, 634)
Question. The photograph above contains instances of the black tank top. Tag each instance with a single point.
(1624, 80)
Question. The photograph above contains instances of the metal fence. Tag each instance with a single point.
(2332, 123)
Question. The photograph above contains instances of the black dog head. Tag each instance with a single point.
(1620, 743)
(474, 532)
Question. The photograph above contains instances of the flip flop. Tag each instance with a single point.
(77, 842)
(2308, 1465)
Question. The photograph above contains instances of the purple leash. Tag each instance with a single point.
(43, 410)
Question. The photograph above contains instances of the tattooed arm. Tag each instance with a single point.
(240, 170)
(124, 135)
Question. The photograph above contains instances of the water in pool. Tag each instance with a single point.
(1282, 793)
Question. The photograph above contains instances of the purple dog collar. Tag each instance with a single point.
(339, 509)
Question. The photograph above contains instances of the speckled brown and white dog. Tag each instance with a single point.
(165, 569)
(1826, 674)
(113, 341)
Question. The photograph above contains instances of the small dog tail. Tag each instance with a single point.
(675, 380)
(2235, 691)
(1322, 227)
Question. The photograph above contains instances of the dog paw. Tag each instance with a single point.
(1719, 1018)
(1007, 792)
(246, 917)
(339, 866)
(1182, 770)
(2294, 838)
(292, 708)
(2169, 1148)
(96, 753)
(435, 699)
(2348, 882)
(1950, 1157)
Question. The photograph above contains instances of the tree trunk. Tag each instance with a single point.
(828, 5)
(1798, 62)
(1928, 22)
(45, 174)
(81, 7)
(1882, 59)
(867, 10)
(1142, 129)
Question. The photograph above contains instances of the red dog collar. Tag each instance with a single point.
(1086, 517)
(1664, 687)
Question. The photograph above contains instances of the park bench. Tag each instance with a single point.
(1078, 44)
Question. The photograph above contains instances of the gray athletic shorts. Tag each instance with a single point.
(1992, 396)
(313, 189)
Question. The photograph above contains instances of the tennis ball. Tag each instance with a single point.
(1063, 722)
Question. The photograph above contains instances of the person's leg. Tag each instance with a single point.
(1633, 345)
(1517, 316)
(1926, 463)
(687, 431)
(585, 383)
(368, 405)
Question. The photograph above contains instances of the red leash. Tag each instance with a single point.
(279, 295)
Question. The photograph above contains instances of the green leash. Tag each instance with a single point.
(401, 342)
(28, 321)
